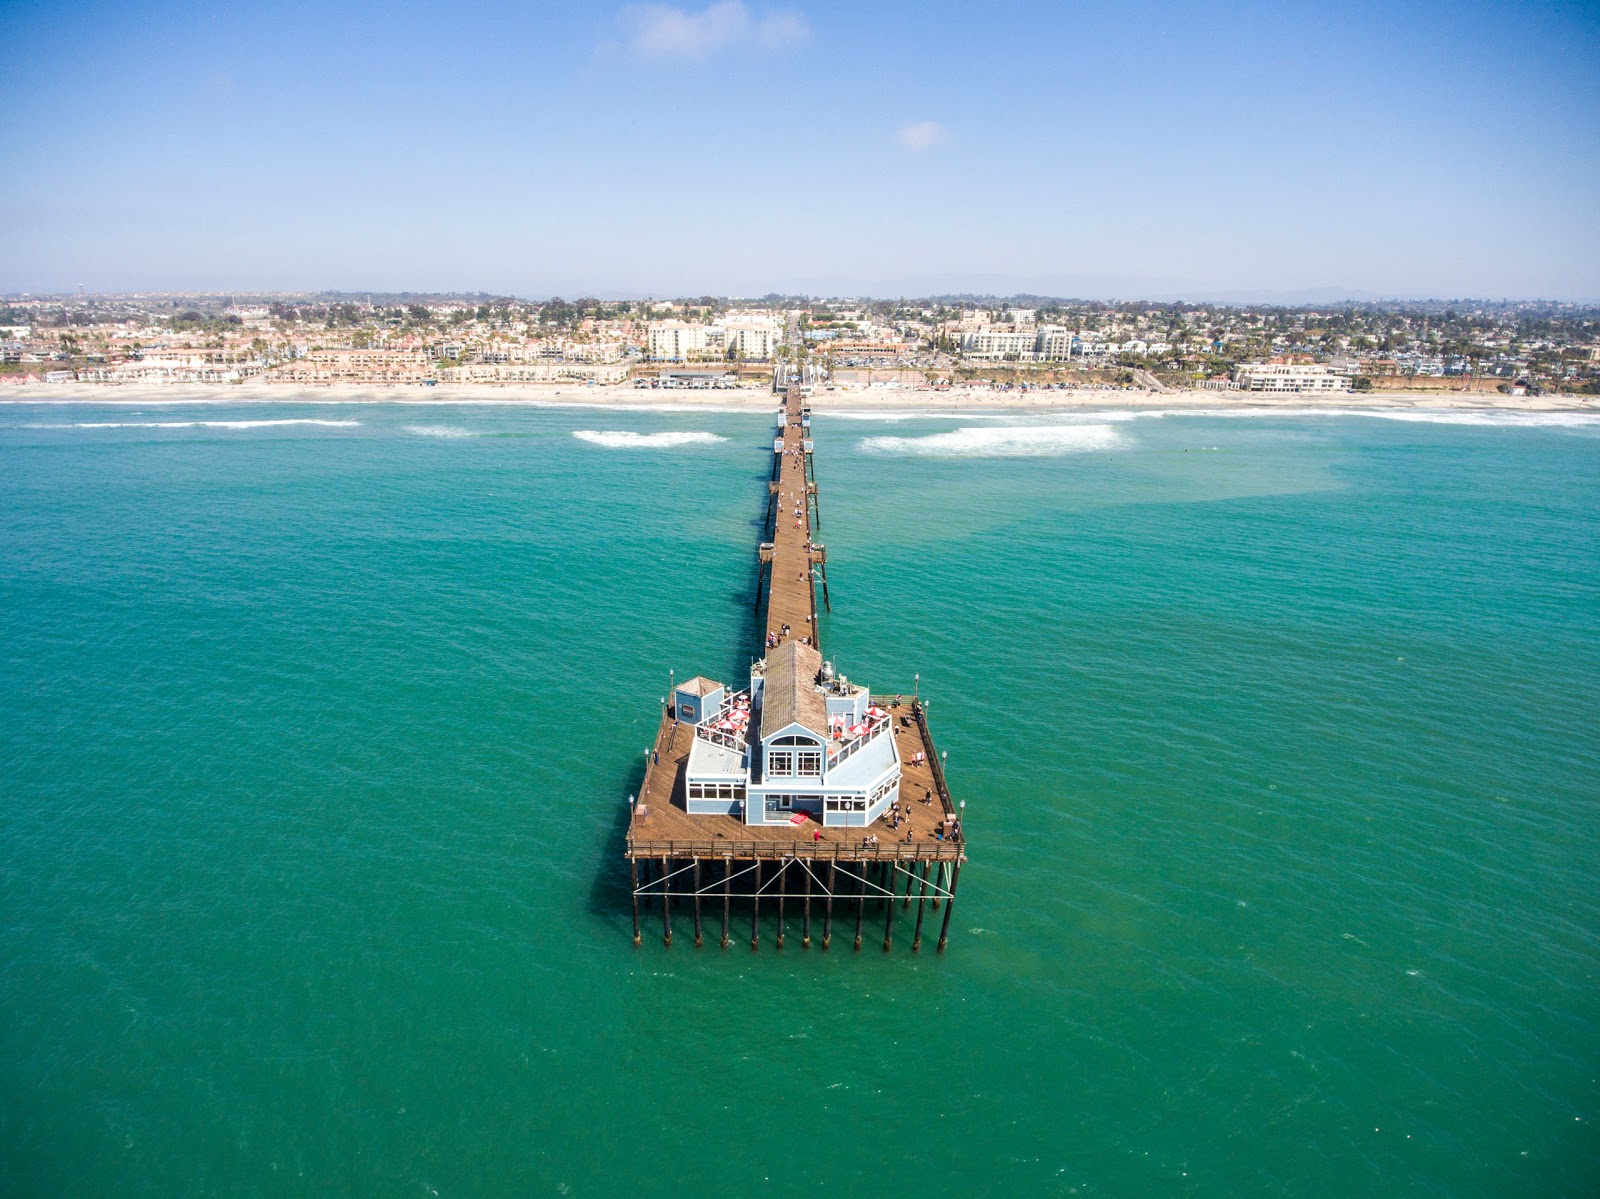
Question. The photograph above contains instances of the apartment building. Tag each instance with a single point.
(355, 366)
(995, 343)
(1288, 377)
(680, 341)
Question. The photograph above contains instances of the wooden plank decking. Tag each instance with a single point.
(666, 830)
(792, 596)
(661, 826)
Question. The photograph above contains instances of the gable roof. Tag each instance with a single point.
(790, 694)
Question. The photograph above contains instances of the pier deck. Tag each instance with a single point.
(792, 594)
(855, 864)
(662, 826)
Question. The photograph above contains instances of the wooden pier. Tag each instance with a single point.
(705, 866)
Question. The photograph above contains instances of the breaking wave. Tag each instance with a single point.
(618, 439)
(439, 431)
(195, 424)
(1031, 441)
(1501, 419)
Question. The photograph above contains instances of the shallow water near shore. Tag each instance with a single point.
(1277, 736)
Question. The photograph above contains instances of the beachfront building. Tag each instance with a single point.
(1288, 377)
(680, 341)
(999, 344)
(330, 366)
(1055, 343)
(755, 340)
(799, 740)
(543, 371)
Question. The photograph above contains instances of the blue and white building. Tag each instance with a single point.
(800, 739)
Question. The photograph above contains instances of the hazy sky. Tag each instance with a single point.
(1159, 148)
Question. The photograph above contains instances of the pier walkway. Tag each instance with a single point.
(697, 858)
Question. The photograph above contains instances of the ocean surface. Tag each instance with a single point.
(1279, 736)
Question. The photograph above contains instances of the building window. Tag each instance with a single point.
(780, 761)
(808, 761)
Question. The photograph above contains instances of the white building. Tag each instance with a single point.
(680, 341)
(798, 740)
(1283, 377)
(991, 342)
(1055, 343)
(755, 340)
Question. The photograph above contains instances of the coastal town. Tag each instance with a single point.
(1020, 343)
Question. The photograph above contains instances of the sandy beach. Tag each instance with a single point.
(840, 399)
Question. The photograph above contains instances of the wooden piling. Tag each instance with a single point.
(827, 905)
(950, 905)
(805, 919)
(727, 896)
(666, 901)
(888, 921)
(783, 885)
(697, 940)
(755, 910)
(861, 902)
(634, 864)
(922, 900)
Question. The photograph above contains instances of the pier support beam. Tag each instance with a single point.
(727, 896)
(827, 906)
(783, 885)
(755, 910)
(922, 901)
(888, 921)
(949, 906)
(911, 879)
(805, 919)
(633, 869)
(697, 940)
(861, 901)
(666, 901)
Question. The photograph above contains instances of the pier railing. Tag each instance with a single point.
(950, 850)
(878, 725)
(733, 741)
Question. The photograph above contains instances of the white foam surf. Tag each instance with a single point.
(620, 439)
(1026, 441)
(1503, 418)
(195, 424)
(448, 431)
(1498, 418)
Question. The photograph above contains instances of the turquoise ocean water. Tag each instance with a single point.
(1278, 736)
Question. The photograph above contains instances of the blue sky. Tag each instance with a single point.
(1155, 148)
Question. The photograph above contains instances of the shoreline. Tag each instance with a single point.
(843, 399)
